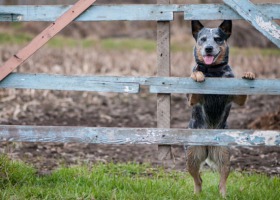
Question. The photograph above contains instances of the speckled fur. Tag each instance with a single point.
(210, 111)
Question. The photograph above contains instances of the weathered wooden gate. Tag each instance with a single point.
(259, 15)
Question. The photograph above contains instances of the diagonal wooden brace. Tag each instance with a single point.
(260, 21)
(44, 37)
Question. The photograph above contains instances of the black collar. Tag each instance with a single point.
(207, 69)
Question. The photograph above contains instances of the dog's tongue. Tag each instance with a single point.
(208, 60)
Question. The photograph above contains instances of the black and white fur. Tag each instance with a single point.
(211, 111)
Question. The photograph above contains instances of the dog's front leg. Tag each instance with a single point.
(241, 99)
(196, 98)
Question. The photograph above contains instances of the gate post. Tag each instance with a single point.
(163, 69)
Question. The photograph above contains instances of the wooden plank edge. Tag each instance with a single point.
(256, 17)
(223, 12)
(224, 137)
(139, 12)
(132, 84)
(10, 17)
(66, 83)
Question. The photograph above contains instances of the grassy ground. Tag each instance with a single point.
(125, 181)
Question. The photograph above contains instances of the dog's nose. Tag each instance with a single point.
(208, 49)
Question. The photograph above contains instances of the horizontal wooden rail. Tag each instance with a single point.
(150, 12)
(223, 12)
(219, 86)
(131, 84)
(69, 83)
(138, 136)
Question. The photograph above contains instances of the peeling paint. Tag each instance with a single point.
(258, 137)
(238, 138)
(19, 18)
(269, 137)
(127, 89)
(268, 26)
(139, 136)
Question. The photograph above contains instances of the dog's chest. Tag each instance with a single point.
(213, 110)
(215, 104)
(211, 113)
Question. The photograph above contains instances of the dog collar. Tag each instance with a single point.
(205, 69)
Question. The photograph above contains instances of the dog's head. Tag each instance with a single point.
(211, 43)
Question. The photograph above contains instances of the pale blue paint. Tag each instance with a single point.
(60, 82)
(222, 12)
(94, 13)
(131, 84)
(259, 19)
(220, 86)
(226, 137)
(130, 12)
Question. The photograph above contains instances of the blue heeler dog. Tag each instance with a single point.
(211, 111)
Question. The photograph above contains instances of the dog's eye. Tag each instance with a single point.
(203, 39)
(218, 39)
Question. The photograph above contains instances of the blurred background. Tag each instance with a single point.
(128, 49)
(243, 36)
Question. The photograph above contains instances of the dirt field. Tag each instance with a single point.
(32, 107)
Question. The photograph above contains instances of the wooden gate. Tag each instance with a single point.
(259, 15)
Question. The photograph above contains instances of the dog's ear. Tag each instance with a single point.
(226, 27)
(196, 27)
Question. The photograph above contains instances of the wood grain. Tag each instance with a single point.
(262, 22)
(218, 86)
(163, 69)
(131, 84)
(68, 134)
(139, 12)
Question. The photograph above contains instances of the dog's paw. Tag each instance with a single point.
(198, 76)
(249, 76)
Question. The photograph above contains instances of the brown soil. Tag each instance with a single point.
(21, 107)
(267, 122)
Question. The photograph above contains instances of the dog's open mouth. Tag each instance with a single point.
(210, 59)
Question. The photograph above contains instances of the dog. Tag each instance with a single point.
(209, 111)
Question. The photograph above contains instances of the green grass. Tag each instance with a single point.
(117, 44)
(125, 181)
(128, 44)
(17, 38)
(254, 51)
(56, 42)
